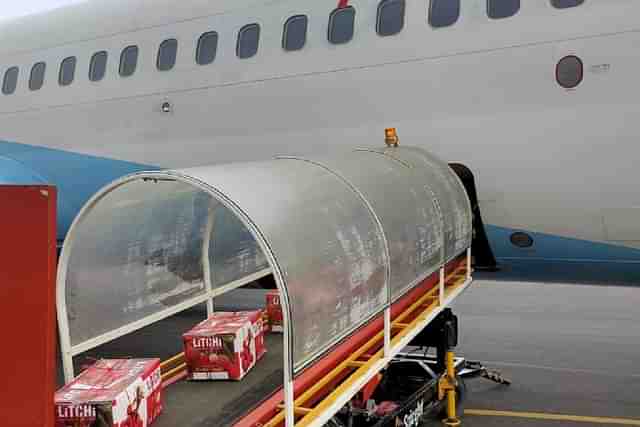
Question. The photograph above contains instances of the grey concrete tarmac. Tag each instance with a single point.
(568, 348)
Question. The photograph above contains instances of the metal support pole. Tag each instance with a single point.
(441, 285)
(289, 404)
(206, 260)
(289, 396)
(387, 332)
(67, 366)
(448, 385)
(66, 349)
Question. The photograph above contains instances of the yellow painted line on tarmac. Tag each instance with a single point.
(554, 417)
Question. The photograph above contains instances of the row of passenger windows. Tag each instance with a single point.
(443, 13)
(390, 21)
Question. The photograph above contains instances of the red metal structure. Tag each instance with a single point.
(27, 295)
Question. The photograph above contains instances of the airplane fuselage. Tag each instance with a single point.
(558, 163)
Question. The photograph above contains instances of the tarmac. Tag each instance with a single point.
(570, 349)
(570, 344)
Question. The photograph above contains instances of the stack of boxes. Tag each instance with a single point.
(128, 392)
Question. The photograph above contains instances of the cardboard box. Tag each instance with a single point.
(274, 311)
(257, 330)
(256, 318)
(112, 393)
(225, 346)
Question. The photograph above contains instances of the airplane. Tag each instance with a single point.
(533, 99)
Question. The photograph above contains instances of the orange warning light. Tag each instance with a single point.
(391, 137)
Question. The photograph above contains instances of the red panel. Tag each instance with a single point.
(27, 298)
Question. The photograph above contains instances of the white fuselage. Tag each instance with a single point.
(481, 92)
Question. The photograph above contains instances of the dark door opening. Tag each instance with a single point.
(483, 258)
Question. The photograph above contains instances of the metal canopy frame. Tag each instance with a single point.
(339, 246)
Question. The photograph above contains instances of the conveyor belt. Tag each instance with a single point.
(319, 400)
(220, 403)
(333, 379)
(196, 404)
(161, 339)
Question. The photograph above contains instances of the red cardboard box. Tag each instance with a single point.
(257, 330)
(112, 393)
(274, 311)
(225, 346)
(256, 318)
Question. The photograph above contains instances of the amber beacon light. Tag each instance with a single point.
(391, 137)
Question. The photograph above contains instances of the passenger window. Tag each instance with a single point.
(36, 79)
(564, 4)
(207, 48)
(128, 61)
(295, 33)
(443, 13)
(167, 54)
(67, 71)
(98, 66)
(390, 17)
(10, 81)
(497, 9)
(248, 41)
(341, 23)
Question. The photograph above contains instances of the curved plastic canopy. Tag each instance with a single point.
(344, 236)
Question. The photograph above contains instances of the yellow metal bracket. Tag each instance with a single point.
(447, 388)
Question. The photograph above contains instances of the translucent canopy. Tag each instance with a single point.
(344, 236)
(448, 194)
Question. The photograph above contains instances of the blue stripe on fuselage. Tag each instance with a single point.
(554, 259)
(555, 248)
(79, 176)
(76, 176)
